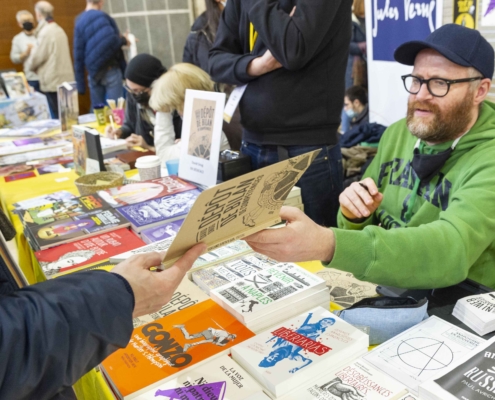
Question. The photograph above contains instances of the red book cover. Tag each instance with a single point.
(143, 191)
(85, 251)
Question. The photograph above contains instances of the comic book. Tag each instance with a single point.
(159, 351)
(80, 150)
(151, 213)
(162, 231)
(69, 256)
(221, 379)
(300, 350)
(146, 190)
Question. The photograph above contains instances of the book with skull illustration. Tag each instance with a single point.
(239, 207)
(300, 351)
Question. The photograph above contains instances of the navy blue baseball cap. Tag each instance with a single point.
(461, 45)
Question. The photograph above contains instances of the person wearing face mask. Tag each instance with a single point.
(140, 120)
(356, 106)
(423, 216)
(22, 45)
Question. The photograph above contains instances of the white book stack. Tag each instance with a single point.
(424, 352)
(159, 246)
(230, 271)
(472, 379)
(294, 198)
(271, 296)
(354, 380)
(221, 378)
(300, 351)
(477, 312)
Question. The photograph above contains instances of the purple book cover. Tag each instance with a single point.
(161, 232)
(24, 142)
(159, 210)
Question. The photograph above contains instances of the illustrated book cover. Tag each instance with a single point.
(162, 349)
(239, 207)
(299, 350)
(164, 231)
(144, 191)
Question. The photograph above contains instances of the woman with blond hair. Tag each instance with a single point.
(168, 95)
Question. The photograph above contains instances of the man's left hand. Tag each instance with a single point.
(136, 140)
(300, 240)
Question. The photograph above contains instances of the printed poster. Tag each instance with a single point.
(488, 13)
(201, 136)
(466, 13)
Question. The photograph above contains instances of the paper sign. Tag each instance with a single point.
(201, 136)
(92, 166)
(234, 99)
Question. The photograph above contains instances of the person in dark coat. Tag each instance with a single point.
(98, 48)
(356, 106)
(54, 332)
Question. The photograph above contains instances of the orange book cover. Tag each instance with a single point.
(171, 344)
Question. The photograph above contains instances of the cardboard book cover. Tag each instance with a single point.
(74, 228)
(299, 349)
(80, 150)
(160, 350)
(186, 295)
(270, 288)
(231, 271)
(219, 379)
(163, 231)
(85, 251)
(144, 191)
(239, 207)
(154, 212)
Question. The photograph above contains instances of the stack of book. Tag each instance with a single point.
(160, 351)
(89, 250)
(294, 198)
(477, 312)
(300, 351)
(272, 295)
(472, 379)
(230, 271)
(67, 221)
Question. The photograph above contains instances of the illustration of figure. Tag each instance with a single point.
(24, 111)
(342, 390)
(286, 350)
(276, 189)
(133, 193)
(166, 230)
(51, 232)
(67, 260)
(217, 337)
(252, 303)
(170, 206)
(60, 210)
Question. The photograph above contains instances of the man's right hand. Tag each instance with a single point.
(262, 65)
(113, 133)
(360, 199)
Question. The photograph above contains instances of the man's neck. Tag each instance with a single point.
(91, 6)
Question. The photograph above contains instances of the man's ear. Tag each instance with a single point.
(482, 91)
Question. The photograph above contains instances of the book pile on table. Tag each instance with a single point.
(477, 312)
(272, 295)
(300, 351)
(294, 198)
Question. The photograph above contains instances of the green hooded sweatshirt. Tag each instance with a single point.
(448, 235)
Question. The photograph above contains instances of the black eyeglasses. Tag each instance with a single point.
(438, 87)
(136, 93)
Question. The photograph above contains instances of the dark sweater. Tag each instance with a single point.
(198, 44)
(301, 103)
(97, 45)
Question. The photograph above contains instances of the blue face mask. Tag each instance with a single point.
(350, 113)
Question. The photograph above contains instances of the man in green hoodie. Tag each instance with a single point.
(424, 214)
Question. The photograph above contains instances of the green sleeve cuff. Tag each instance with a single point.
(344, 223)
(354, 252)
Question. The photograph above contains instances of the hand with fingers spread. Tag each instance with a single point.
(360, 200)
(153, 289)
(300, 240)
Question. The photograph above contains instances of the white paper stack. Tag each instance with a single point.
(300, 351)
(231, 271)
(271, 296)
(424, 352)
(477, 312)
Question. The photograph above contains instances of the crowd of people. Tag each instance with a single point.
(420, 216)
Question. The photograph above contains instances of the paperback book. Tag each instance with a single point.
(299, 350)
(477, 312)
(42, 144)
(424, 352)
(36, 155)
(219, 379)
(159, 351)
(69, 256)
(151, 213)
(80, 150)
(164, 231)
(68, 105)
(160, 246)
(144, 191)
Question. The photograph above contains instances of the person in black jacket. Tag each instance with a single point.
(202, 35)
(54, 332)
(293, 55)
(139, 120)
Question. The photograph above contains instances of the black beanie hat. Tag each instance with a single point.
(144, 69)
